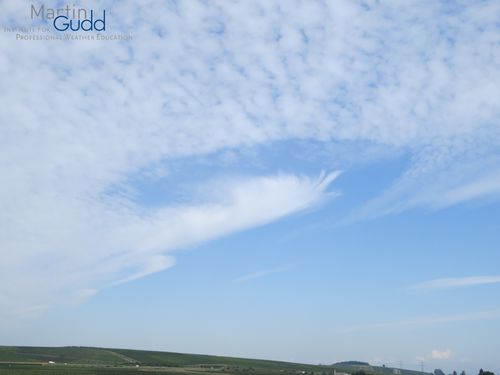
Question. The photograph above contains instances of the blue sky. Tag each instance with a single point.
(298, 180)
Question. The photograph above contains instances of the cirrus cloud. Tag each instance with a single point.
(457, 282)
(79, 118)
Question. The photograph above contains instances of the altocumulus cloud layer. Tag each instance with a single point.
(78, 118)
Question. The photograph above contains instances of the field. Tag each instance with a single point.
(100, 361)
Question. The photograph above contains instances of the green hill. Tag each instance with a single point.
(25, 360)
(80, 355)
(178, 359)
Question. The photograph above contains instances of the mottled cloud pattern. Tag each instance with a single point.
(79, 118)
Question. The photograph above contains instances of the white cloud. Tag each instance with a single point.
(441, 354)
(83, 246)
(448, 283)
(79, 118)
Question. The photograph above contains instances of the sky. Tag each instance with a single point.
(310, 181)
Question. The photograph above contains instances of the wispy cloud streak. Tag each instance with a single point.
(113, 247)
(262, 273)
(424, 321)
(458, 282)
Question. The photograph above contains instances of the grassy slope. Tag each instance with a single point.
(99, 356)
(379, 370)
(179, 359)
(79, 355)
(79, 358)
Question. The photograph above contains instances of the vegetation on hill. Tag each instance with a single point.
(352, 363)
(72, 354)
(99, 361)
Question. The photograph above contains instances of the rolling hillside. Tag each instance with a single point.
(24, 360)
